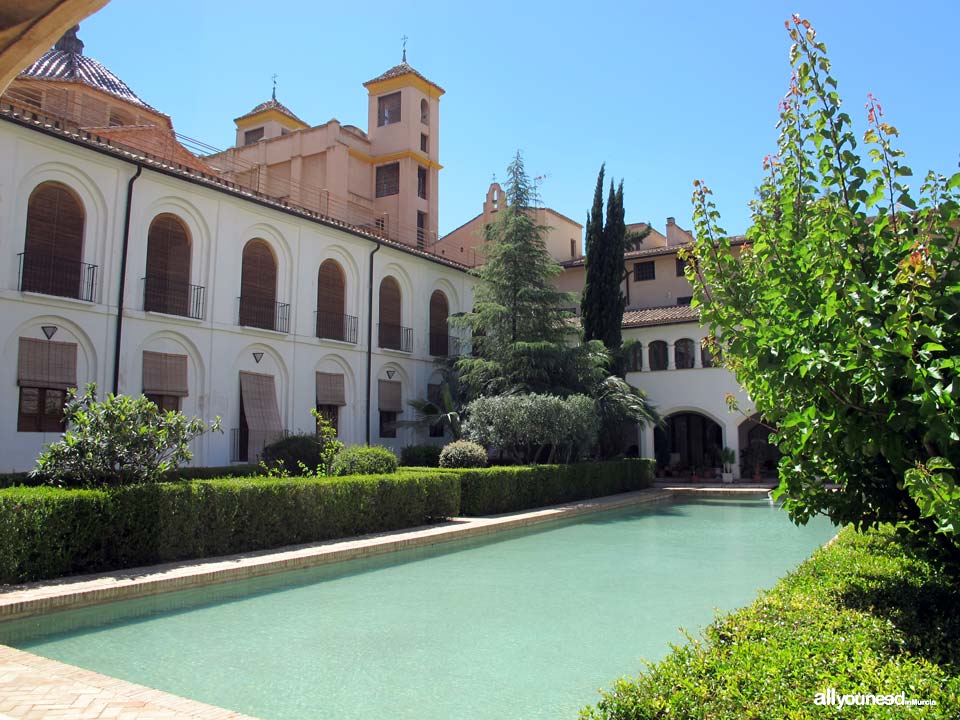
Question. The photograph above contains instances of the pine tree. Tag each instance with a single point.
(520, 321)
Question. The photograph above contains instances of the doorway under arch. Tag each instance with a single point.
(688, 444)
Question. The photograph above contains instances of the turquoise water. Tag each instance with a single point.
(527, 625)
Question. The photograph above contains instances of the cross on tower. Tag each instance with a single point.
(274, 86)
(404, 38)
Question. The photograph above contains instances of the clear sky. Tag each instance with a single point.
(663, 92)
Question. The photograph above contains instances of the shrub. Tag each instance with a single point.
(463, 454)
(364, 460)
(494, 490)
(420, 455)
(117, 441)
(863, 615)
(48, 532)
(527, 427)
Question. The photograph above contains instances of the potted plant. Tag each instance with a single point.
(728, 457)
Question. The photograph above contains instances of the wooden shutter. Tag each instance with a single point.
(168, 250)
(258, 276)
(164, 374)
(54, 223)
(330, 288)
(390, 396)
(330, 389)
(47, 364)
(261, 411)
(439, 309)
(390, 300)
(435, 394)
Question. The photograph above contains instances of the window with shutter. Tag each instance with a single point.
(330, 301)
(258, 286)
(658, 355)
(390, 330)
(439, 311)
(683, 354)
(53, 242)
(167, 282)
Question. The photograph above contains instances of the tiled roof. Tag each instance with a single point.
(156, 141)
(653, 251)
(272, 104)
(667, 315)
(66, 63)
(399, 71)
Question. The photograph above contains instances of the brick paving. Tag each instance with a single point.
(36, 688)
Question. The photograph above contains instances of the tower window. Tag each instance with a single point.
(388, 109)
(252, 136)
(424, 112)
(573, 248)
(424, 143)
(388, 180)
(422, 182)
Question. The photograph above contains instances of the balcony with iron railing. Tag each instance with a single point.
(335, 326)
(444, 345)
(395, 337)
(173, 297)
(263, 314)
(52, 275)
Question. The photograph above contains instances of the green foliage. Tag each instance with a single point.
(421, 455)
(489, 491)
(364, 460)
(841, 317)
(447, 412)
(48, 532)
(519, 320)
(303, 455)
(463, 454)
(118, 441)
(861, 616)
(602, 302)
(619, 405)
(528, 428)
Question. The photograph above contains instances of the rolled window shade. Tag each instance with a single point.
(390, 396)
(330, 389)
(47, 364)
(164, 374)
(260, 403)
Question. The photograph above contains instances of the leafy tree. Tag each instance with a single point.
(841, 316)
(519, 321)
(118, 441)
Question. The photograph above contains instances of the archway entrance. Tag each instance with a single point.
(689, 444)
(758, 456)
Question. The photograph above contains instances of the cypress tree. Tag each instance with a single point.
(590, 301)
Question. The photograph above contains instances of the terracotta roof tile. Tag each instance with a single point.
(399, 71)
(74, 67)
(272, 104)
(667, 315)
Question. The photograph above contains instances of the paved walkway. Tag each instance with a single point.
(32, 687)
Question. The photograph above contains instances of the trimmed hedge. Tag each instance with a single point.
(489, 491)
(48, 532)
(863, 615)
(420, 456)
(183, 473)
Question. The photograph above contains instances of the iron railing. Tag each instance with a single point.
(395, 337)
(51, 275)
(265, 314)
(336, 326)
(246, 445)
(174, 297)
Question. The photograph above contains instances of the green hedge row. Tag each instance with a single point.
(49, 532)
(866, 615)
(185, 473)
(489, 491)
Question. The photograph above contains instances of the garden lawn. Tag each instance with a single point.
(863, 615)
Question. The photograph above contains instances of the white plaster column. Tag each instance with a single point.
(731, 439)
(646, 441)
(671, 358)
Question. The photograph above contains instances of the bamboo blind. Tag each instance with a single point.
(47, 364)
(164, 374)
(54, 223)
(390, 396)
(330, 389)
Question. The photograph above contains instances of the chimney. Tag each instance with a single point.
(675, 234)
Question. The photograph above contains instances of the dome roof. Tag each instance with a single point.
(67, 63)
(400, 70)
(272, 104)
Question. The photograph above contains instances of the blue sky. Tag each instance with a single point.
(662, 92)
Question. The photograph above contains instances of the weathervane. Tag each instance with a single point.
(274, 86)
(404, 38)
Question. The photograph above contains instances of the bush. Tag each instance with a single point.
(48, 532)
(289, 453)
(494, 490)
(420, 456)
(118, 441)
(364, 460)
(863, 615)
(528, 427)
(463, 454)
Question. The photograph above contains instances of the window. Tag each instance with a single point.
(388, 180)
(424, 112)
(330, 413)
(683, 354)
(421, 229)
(164, 402)
(167, 283)
(258, 287)
(658, 355)
(331, 321)
(681, 267)
(53, 245)
(41, 410)
(45, 369)
(422, 182)
(388, 109)
(381, 224)
(635, 358)
(424, 143)
(388, 424)
(439, 311)
(644, 271)
(252, 136)
(684, 299)
(573, 248)
(390, 330)
(710, 355)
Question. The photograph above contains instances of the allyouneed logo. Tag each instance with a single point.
(831, 697)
